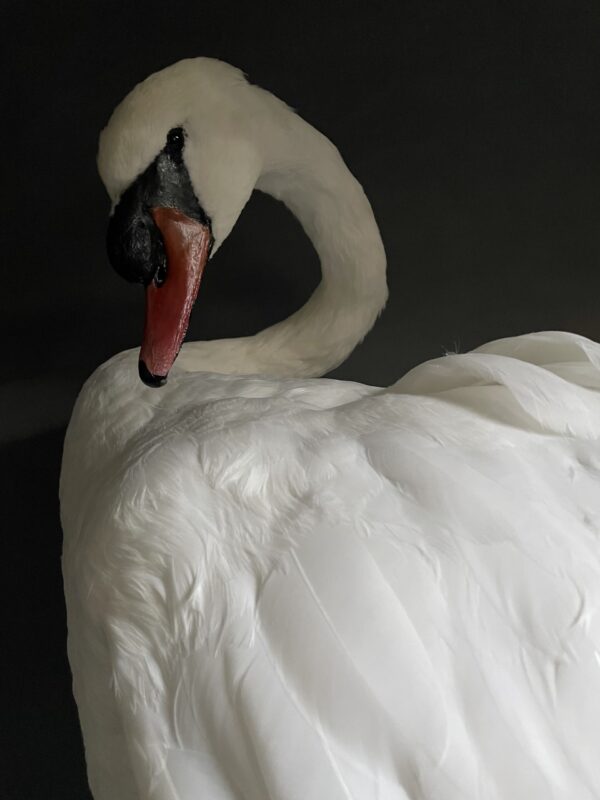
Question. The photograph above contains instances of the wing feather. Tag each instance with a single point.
(319, 590)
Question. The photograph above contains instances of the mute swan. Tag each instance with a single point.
(282, 587)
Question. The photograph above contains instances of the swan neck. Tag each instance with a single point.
(306, 172)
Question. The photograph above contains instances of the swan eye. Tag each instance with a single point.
(175, 141)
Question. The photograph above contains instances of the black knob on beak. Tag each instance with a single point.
(134, 243)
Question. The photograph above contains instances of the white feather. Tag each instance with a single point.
(280, 587)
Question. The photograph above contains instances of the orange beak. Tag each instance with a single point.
(168, 306)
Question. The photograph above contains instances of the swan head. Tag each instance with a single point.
(179, 158)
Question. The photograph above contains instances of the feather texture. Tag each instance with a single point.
(307, 589)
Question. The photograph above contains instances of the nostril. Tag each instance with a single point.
(159, 257)
(160, 275)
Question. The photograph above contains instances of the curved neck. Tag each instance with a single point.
(306, 172)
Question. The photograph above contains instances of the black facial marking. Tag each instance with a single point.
(133, 241)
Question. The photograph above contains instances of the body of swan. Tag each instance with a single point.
(284, 587)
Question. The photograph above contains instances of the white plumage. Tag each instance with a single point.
(301, 589)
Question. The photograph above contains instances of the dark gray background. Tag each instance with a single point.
(474, 129)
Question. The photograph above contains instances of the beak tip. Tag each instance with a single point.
(154, 381)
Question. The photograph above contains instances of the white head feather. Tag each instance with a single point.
(222, 115)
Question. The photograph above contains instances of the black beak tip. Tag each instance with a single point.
(155, 381)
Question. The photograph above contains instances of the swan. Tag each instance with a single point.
(296, 588)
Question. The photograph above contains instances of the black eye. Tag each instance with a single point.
(175, 141)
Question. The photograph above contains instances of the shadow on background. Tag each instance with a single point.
(42, 743)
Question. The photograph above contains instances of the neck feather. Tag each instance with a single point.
(306, 172)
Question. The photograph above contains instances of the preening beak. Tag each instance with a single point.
(160, 236)
(169, 304)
